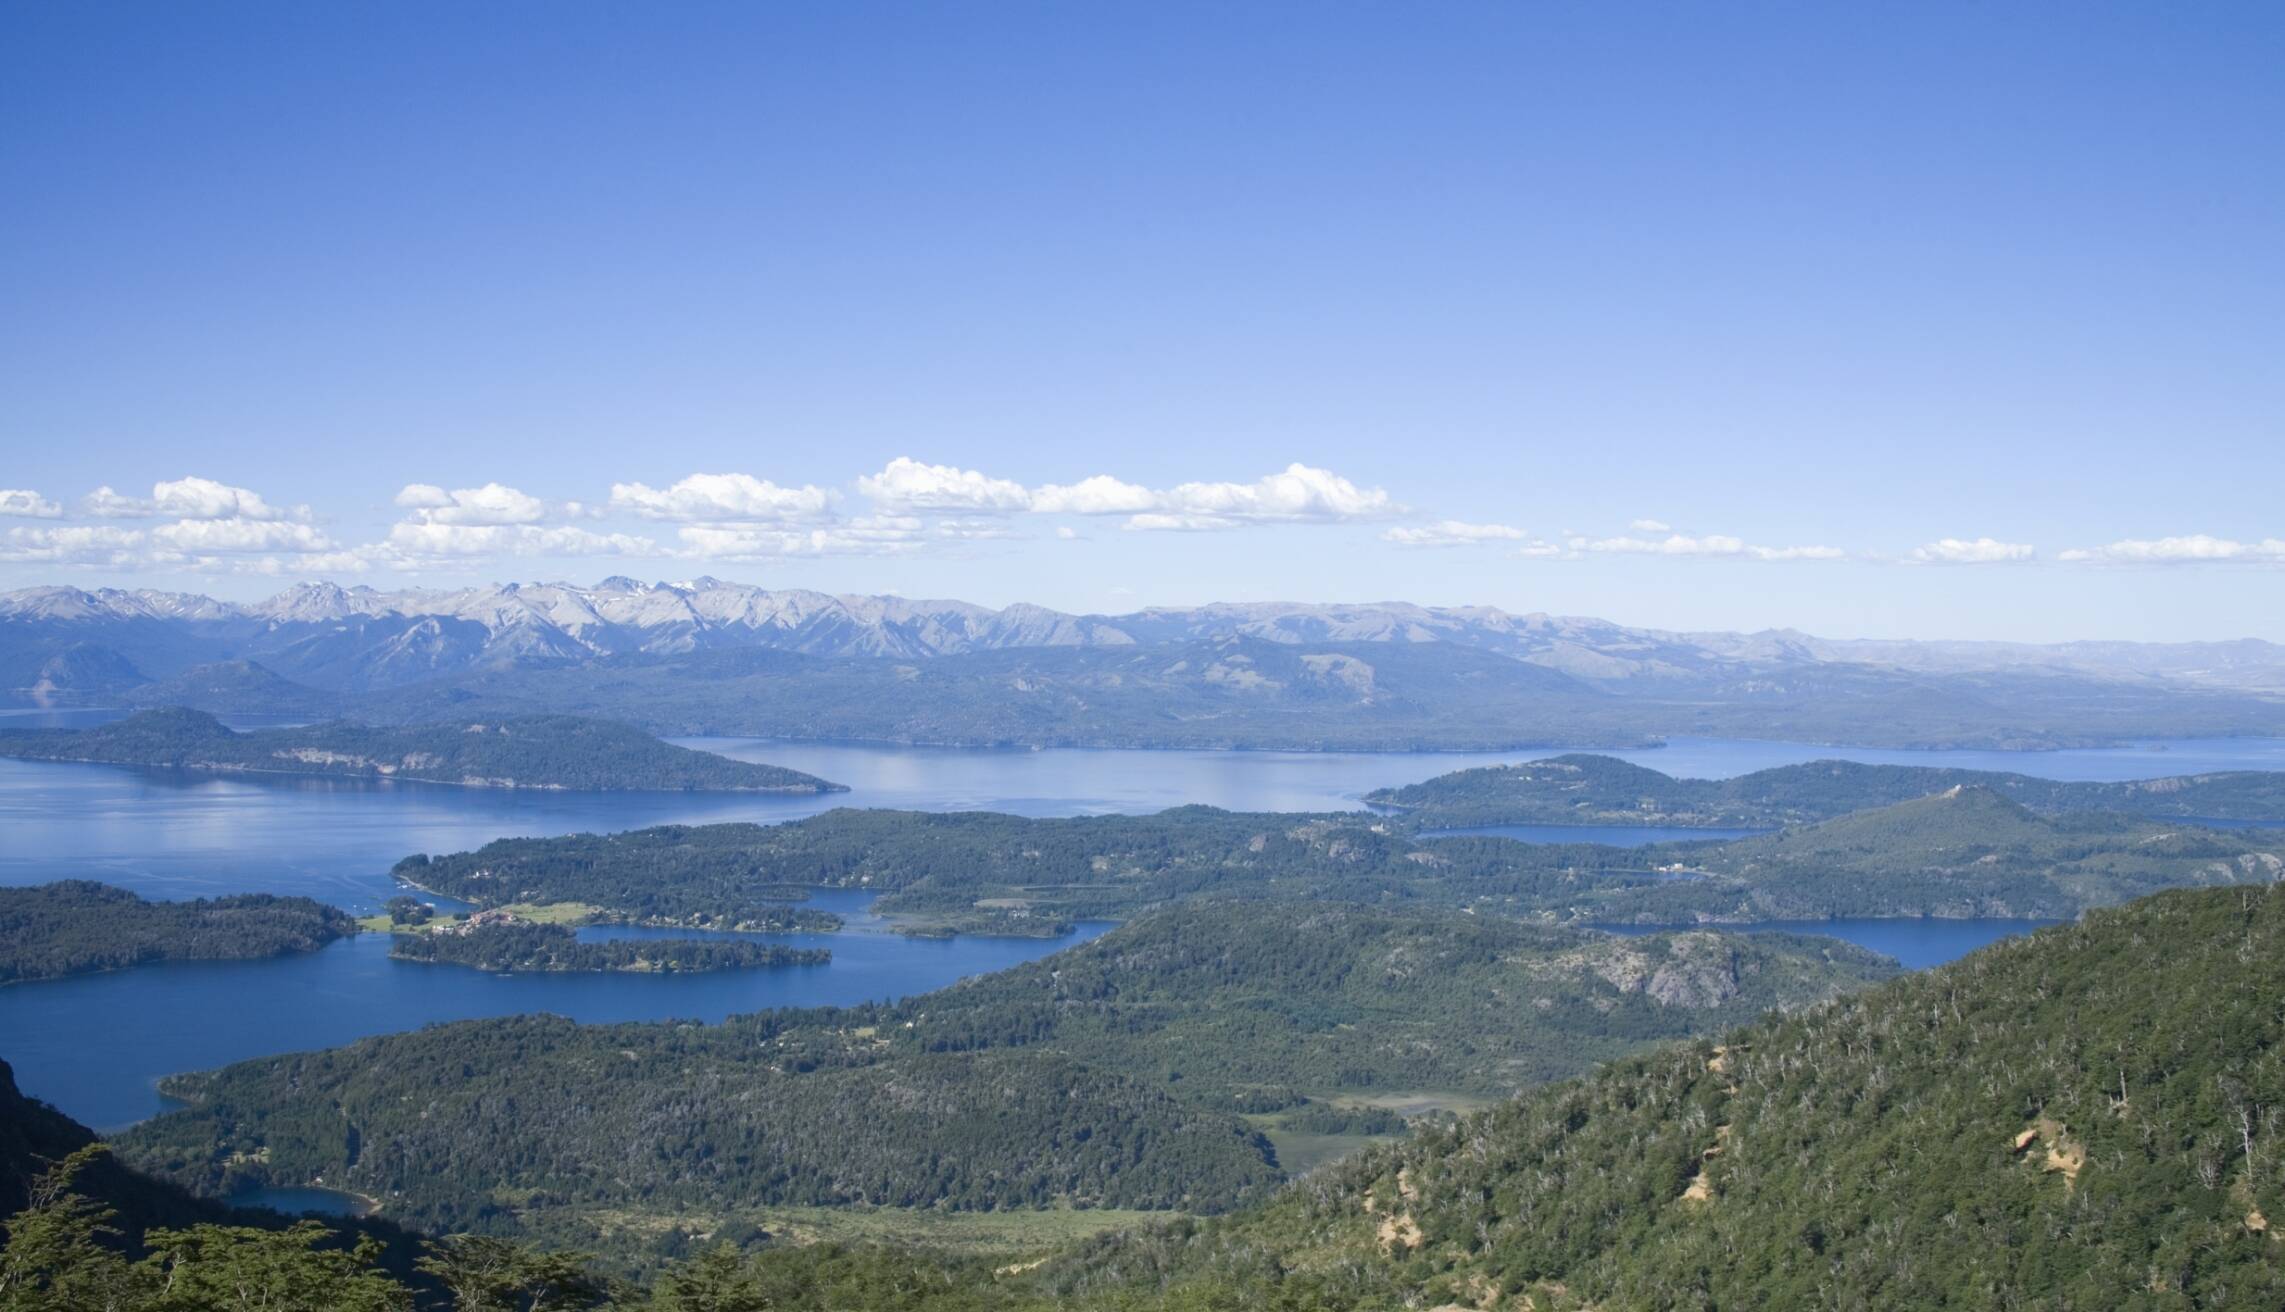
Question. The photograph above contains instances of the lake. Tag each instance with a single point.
(96, 1045)
(178, 1016)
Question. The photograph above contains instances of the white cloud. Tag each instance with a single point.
(200, 537)
(1651, 526)
(320, 565)
(1066, 533)
(188, 498)
(872, 536)
(423, 496)
(420, 539)
(1451, 533)
(27, 504)
(1179, 523)
(1539, 550)
(2194, 549)
(1971, 551)
(906, 485)
(1298, 494)
(203, 498)
(971, 530)
(1301, 493)
(490, 505)
(1714, 545)
(73, 545)
(722, 498)
(1100, 495)
(103, 503)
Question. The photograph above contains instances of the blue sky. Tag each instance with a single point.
(1930, 320)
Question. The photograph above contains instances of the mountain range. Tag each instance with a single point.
(1386, 674)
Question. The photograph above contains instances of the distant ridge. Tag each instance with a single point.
(508, 623)
(1373, 676)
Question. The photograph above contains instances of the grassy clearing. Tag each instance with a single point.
(984, 1234)
(1413, 1102)
(1301, 1153)
(544, 913)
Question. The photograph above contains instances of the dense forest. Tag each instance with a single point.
(532, 751)
(1117, 1074)
(523, 946)
(1970, 854)
(77, 925)
(2090, 1117)
(1602, 790)
(983, 866)
(501, 1124)
(1963, 853)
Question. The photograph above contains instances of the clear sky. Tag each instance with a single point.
(1896, 320)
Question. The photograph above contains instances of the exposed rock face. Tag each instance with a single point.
(1703, 972)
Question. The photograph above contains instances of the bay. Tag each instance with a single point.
(97, 1045)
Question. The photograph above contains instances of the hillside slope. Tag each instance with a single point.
(1965, 852)
(1110, 1075)
(1582, 789)
(2093, 1117)
(535, 751)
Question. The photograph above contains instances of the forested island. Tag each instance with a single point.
(512, 946)
(530, 751)
(1966, 853)
(1156, 1067)
(75, 926)
(1584, 789)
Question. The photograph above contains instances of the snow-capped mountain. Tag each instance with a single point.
(362, 638)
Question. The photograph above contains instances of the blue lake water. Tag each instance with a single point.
(294, 1202)
(95, 1045)
(156, 1020)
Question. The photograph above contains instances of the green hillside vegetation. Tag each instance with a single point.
(494, 1124)
(972, 868)
(1931, 857)
(2086, 1118)
(75, 926)
(535, 751)
(529, 947)
(1119, 1074)
(1964, 853)
(1602, 790)
(2093, 1117)
(73, 1218)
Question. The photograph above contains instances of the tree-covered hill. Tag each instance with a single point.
(74, 926)
(1111, 1075)
(536, 751)
(492, 1124)
(522, 946)
(1228, 1002)
(1602, 790)
(1965, 852)
(2093, 1117)
(2086, 1118)
(1932, 857)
